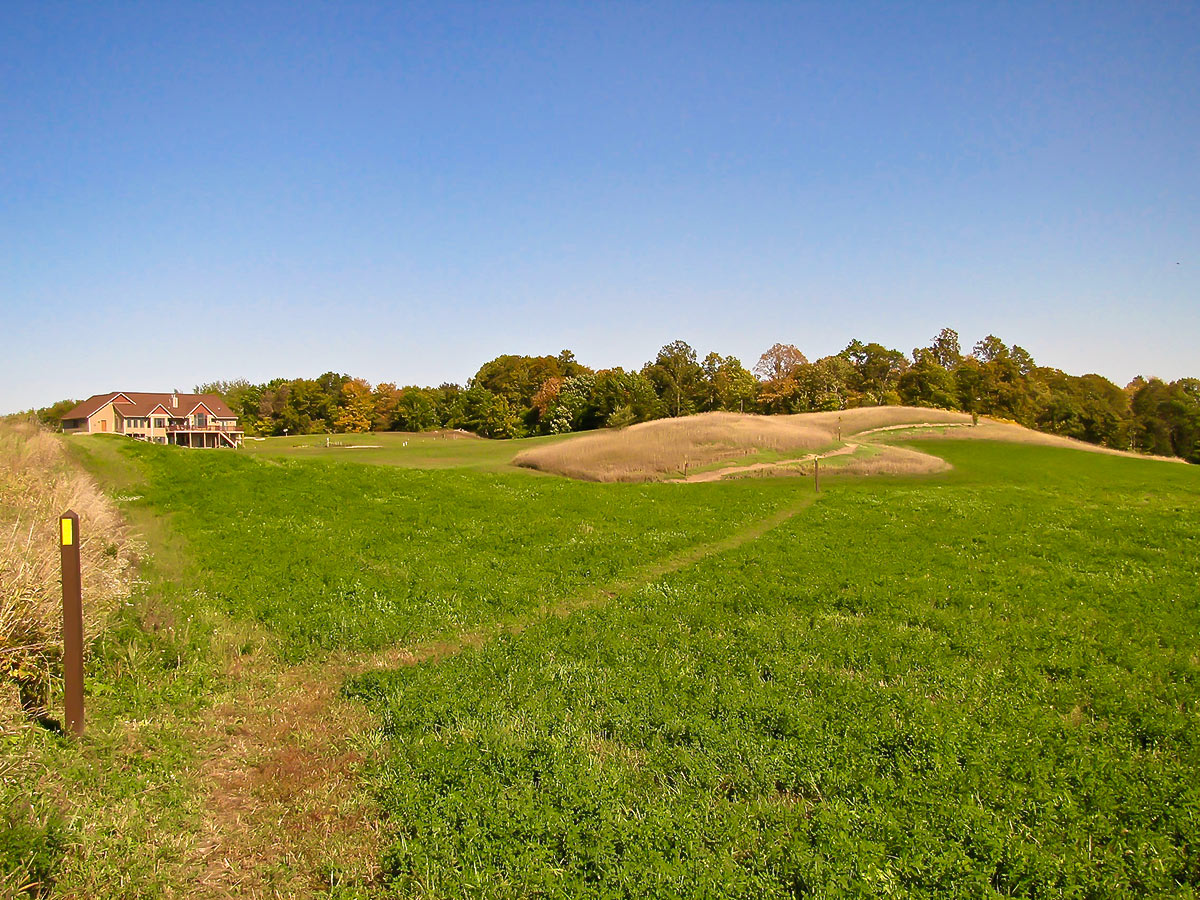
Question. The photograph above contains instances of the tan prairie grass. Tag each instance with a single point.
(38, 482)
(891, 461)
(870, 418)
(863, 461)
(667, 448)
(670, 448)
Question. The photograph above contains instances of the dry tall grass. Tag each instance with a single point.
(869, 418)
(663, 448)
(38, 481)
(666, 447)
(892, 461)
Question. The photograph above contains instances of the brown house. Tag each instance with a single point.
(188, 420)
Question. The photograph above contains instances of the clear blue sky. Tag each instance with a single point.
(402, 191)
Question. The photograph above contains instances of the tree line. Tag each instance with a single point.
(516, 396)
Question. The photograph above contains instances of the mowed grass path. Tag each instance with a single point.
(333, 556)
(984, 684)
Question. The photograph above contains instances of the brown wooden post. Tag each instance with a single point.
(72, 622)
(817, 473)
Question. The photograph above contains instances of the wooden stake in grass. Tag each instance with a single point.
(817, 473)
(72, 622)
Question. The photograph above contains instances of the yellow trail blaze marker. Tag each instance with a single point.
(72, 593)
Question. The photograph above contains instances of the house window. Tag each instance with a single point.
(201, 420)
(160, 423)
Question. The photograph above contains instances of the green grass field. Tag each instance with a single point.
(981, 683)
(423, 450)
(331, 556)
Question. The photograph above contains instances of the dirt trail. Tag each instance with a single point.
(284, 753)
(285, 813)
(914, 425)
(847, 450)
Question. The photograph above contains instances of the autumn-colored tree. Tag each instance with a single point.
(357, 409)
(386, 403)
(546, 395)
(777, 369)
(572, 409)
(779, 362)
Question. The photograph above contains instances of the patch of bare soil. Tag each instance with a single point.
(286, 814)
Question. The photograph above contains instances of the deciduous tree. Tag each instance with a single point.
(357, 409)
(676, 376)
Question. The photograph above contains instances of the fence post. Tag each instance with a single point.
(817, 473)
(72, 622)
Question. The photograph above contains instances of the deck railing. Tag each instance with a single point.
(212, 426)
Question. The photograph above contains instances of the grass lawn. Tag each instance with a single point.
(984, 684)
(980, 683)
(422, 450)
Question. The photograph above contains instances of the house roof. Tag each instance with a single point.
(132, 403)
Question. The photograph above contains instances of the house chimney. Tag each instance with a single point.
(174, 399)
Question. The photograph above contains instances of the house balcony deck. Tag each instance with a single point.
(211, 435)
(226, 429)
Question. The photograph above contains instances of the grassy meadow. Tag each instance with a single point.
(408, 450)
(349, 557)
(983, 682)
(980, 685)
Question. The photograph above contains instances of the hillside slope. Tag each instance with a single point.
(718, 445)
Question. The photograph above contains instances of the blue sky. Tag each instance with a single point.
(402, 191)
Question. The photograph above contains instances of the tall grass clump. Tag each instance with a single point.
(668, 447)
(38, 482)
